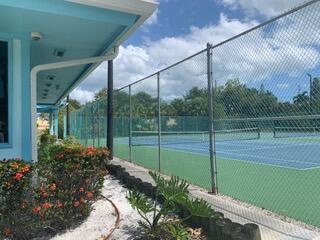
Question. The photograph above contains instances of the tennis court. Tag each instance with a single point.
(287, 150)
(272, 170)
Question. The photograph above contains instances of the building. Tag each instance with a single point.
(47, 47)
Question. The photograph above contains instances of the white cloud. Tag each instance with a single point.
(268, 8)
(82, 95)
(281, 50)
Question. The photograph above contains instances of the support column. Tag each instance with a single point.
(110, 109)
(68, 117)
(51, 123)
(56, 122)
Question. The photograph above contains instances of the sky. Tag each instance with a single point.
(277, 57)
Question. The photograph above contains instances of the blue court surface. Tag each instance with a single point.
(298, 152)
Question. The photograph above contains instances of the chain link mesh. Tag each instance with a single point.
(266, 108)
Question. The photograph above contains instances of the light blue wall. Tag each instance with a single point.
(19, 145)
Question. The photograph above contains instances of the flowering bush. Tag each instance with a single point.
(15, 176)
(70, 177)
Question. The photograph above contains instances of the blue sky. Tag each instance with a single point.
(180, 28)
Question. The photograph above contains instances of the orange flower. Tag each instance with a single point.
(89, 195)
(25, 169)
(36, 209)
(45, 194)
(59, 204)
(81, 190)
(14, 165)
(53, 187)
(76, 203)
(7, 232)
(18, 176)
(47, 205)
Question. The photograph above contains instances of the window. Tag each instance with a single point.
(3, 92)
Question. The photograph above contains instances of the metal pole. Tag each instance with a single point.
(68, 117)
(159, 122)
(213, 165)
(98, 123)
(110, 109)
(130, 125)
(93, 123)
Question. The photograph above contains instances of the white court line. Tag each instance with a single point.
(271, 158)
(262, 148)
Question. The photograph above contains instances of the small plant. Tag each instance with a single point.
(157, 223)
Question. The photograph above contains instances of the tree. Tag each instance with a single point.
(101, 94)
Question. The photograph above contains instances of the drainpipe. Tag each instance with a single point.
(44, 67)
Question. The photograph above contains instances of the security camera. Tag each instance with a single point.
(36, 36)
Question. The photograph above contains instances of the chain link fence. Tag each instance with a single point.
(241, 118)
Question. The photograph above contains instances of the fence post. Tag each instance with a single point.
(98, 126)
(93, 123)
(130, 125)
(159, 122)
(213, 165)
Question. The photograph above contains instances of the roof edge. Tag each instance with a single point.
(138, 7)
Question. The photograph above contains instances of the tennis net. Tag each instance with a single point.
(145, 138)
(287, 132)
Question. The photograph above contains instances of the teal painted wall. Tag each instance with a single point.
(19, 99)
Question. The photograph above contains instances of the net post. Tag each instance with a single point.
(213, 165)
(130, 125)
(159, 122)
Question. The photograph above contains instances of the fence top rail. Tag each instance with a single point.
(297, 117)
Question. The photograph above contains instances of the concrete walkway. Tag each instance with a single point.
(271, 226)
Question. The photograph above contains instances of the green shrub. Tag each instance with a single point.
(69, 178)
(174, 192)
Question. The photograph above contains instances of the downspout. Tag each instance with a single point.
(44, 67)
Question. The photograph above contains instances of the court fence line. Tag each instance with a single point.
(258, 90)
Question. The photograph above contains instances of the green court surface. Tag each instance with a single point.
(289, 191)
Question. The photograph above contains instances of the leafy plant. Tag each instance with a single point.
(155, 224)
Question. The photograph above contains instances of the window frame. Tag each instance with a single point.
(9, 92)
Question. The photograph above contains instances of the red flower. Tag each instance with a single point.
(47, 205)
(53, 187)
(36, 209)
(76, 203)
(18, 176)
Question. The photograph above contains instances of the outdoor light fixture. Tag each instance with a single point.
(36, 36)
(59, 52)
(51, 77)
